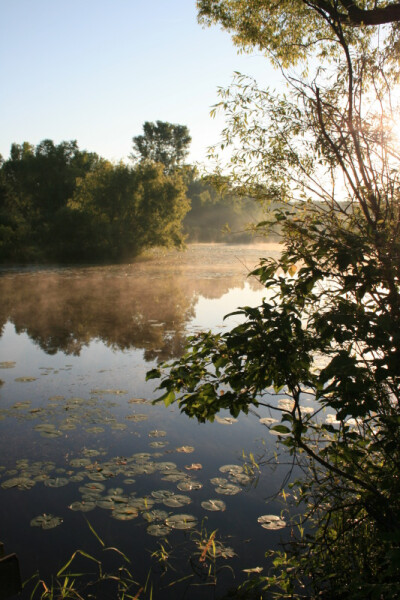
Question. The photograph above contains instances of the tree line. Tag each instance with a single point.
(59, 203)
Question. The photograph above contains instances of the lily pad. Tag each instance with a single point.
(218, 480)
(194, 467)
(185, 449)
(227, 489)
(241, 478)
(46, 521)
(92, 488)
(25, 379)
(56, 482)
(7, 364)
(271, 522)
(181, 521)
(222, 551)
(138, 401)
(84, 506)
(103, 392)
(188, 486)
(213, 505)
(166, 466)
(268, 421)
(106, 502)
(162, 494)
(155, 515)
(157, 433)
(231, 469)
(95, 429)
(125, 513)
(177, 500)
(22, 483)
(226, 420)
(137, 418)
(158, 529)
(97, 476)
(142, 503)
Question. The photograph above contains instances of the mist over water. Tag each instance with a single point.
(76, 344)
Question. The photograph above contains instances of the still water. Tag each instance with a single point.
(80, 440)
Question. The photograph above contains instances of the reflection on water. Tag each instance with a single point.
(75, 410)
(145, 305)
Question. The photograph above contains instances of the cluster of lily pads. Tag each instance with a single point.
(60, 415)
(123, 505)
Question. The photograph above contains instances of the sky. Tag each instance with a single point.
(96, 70)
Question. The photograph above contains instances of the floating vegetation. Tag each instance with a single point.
(48, 430)
(137, 418)
(46, 521)
(177, 500)
(188, 485)
(154, 515)
(7, 364)
(138, 401)
(181, 521)
(157, 433)
(227, 489)
(25, 379)
(92, 488)
(307, 410)
(231, 469)
(161, 495)
(159, 529)
(95, 429)
(103, 392)
(242, 478)
(80, 462)
(271, 522)
(218, 480)
(84, 506)
(158, 444)
(194, 467)
(22, 483)
(142, 503)
(125, 513)
(331, 419)
(21, 405)
(56, 482)
(91, 452)
(213, 505)
(185, 449)
(225, 420)
(268, 421)
(286, 404)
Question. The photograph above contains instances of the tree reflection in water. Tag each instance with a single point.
(145, 305)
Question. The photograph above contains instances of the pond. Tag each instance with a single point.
(86, 455)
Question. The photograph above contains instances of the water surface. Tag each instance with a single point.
(75, 410)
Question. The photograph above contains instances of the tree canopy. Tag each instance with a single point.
(59, 203)
(292, 30)
(162, 142)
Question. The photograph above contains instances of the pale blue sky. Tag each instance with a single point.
(95, 70)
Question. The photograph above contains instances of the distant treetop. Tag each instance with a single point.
(162, 142)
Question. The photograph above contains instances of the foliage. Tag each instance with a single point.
(290, 31)
(74, 582)
(162, 142)
(326, 335)
(60, 203)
